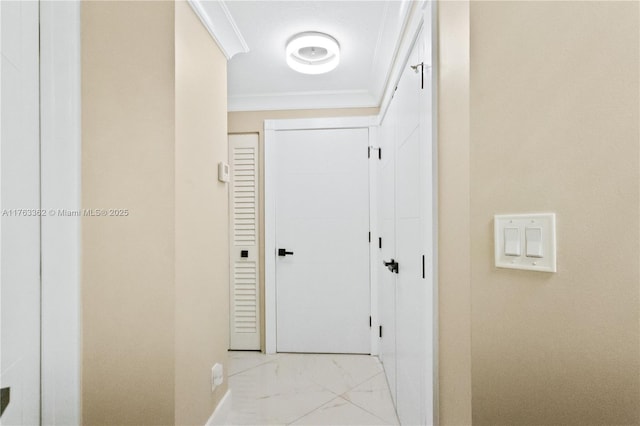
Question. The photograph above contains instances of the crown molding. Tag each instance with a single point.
(390, 34)
(302, 100)
(217, 19)
(414, 21)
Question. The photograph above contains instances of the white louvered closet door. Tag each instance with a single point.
(243, 202)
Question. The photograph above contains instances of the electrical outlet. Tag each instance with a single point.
(217, 376)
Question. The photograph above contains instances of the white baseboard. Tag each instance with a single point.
(220, 414)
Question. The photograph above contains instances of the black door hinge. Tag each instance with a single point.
(369, 322)
(380, 242)
(415, 68)
(380, 332)
(379, 152)
(423, 268)
(5, 398)
(369, 236)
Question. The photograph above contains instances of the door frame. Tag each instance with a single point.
(60, 169)
(270, 191)
(60, 243)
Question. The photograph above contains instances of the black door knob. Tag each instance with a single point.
(392, 265)
(284, 252)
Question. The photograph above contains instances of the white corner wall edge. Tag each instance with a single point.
(373, 247)
(217, 19)
(433, 21)
(221, 412)
(415, 21)
(60, 179)
(389, 40)
(270, 165)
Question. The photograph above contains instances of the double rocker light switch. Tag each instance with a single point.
(525, 242)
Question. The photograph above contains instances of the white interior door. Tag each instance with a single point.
(322, 218)
(387, 246)
(20, 223)
(407, 297)
(243, 202)
(414, 241)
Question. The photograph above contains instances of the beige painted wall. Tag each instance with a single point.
(454, 272)
(539, 111)
(154, 283)
(201, 206)
(127, 262)
(554, 101)
(253, 122)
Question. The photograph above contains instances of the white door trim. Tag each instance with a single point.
(60, 144)
(270, 129)
(321, 123)
(374, 142)
(432, 14)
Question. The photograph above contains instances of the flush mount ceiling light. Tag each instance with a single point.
(313, 53)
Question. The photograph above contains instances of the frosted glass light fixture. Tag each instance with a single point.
(313, 53)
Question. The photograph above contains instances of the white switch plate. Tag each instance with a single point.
(546, 222)
(217, 376)
(223, 171)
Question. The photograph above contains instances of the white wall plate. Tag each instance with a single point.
(224, 171)
(525, 241)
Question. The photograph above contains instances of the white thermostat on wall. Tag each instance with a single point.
(526, 241)
(223, 172)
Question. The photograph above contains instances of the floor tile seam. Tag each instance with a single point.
(390, 399)
(395, 409)
(350, 388)
(251, 368)
(363, 382)
(312, 380)
(364, 409)
(315, 409)
(373, 414)
(329, 390)
(348, 402)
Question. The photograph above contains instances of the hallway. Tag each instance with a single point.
(426, 212)
(308, 389)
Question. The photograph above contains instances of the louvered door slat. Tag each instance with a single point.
(243, 201)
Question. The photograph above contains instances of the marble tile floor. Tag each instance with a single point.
(308, 389)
